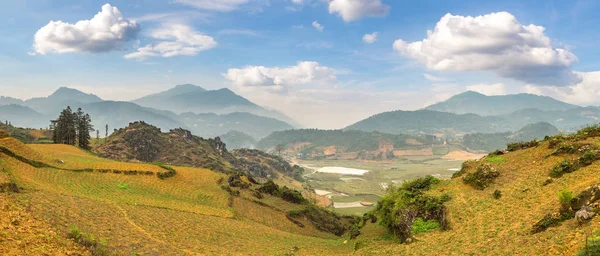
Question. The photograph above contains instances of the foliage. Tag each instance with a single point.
(400, 207)
(497, 194)
(482, 177)
(18, 133)
(464, 168)
(96, 248)
(421, 226)
(566, 166)
(565, 197)
(322, 219)
(287, 194)
(72, 128)
(592, 246)
(522, 145)
(264, 165)
(494, 159)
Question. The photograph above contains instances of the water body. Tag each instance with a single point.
(342, 170)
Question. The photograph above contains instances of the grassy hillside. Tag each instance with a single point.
(189, 213)
(491, 141)
(236, 140)
(484, 224)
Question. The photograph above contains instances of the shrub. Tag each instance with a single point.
(563, 167)
(592, 246)
(322, 219)
(464, 168)
(522, 145)
(292, 195)
(482, 177)
(497, 194)
(96, 248)
(269, 188)
(565, 197)
(587, 158)
(421, 226)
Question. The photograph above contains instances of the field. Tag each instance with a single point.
(482, 225)
(142, 214)
(371, 185)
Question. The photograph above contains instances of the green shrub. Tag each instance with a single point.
(587, 158)
(592, 246)
(96, 248)
(565, 197)
(321, 219)
(122, 186)
(497, 194)
(522, 145)
(463, 168)
(482, 177)
(494, 159)
(269, 188)
(292, 195)
(566, 166)
(421, 226)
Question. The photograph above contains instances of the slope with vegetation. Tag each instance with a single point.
(508, 203)
(491, 141)
(237, 140)
(196, 211)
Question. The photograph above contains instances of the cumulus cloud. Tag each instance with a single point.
(214, 5)
(178, 39)
(280, 78)
(106, 31)
(352, 10)
(585, 92)
(318, 26)
(488, 89)
(495, 42)
(370, 38)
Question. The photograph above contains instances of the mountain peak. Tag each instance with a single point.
(65, 93)
(188, 87)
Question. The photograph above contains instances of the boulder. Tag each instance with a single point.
(585, 213)
(585, 198)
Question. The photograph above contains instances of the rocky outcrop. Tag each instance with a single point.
(588, 197)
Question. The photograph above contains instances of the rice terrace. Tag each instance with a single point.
(299, 127)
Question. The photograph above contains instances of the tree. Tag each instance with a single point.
(106, 134)
(97, 135)
(84, 127)
(72, 128)
(279, 148)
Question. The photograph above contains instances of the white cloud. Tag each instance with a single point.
(214, 5)
(585, 92)
(178, 40)
(318, 26)
(351, 10)
(488, 89)
(106, 31)
(279, 79)
(244, 32)
(494, 42)
(434, 78)
(370, 38)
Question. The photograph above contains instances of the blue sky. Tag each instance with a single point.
(273, 52)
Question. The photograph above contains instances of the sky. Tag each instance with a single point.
(325, 63)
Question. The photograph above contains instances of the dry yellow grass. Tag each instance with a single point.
(22, 234)
(482, 225)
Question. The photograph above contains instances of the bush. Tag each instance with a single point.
(464, 168)
(96, 248)
(563, 167)
(322, 219)
(292, 195)
(421, 226)
(592, 246)
(587, 158)
(497, 194)
(269, 188)
(565, 197)
(522, 145)
(482, 177)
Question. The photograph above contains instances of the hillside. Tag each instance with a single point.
(58, 210)
(266, 165)
(491, 141)
(236, 140)
(211, 125)
(315, 143)
(191, 98)
(146, 143)
(477, 103)
(526, 215)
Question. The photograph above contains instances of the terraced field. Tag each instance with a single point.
(142, 214)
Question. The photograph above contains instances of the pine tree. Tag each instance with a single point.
(84, 127)
(106, 135)
(72, 128)
(97, 135)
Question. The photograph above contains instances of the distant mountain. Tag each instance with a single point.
(492, 141)
(237, 140)
(431, 122)
(211, 125)
(60, 99)
(22, 116)
(9, 101)
(38, 112)
(191, 98)
(477, 103)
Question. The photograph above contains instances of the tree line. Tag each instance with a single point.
(72, 128)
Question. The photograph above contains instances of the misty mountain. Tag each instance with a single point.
(38, 112)
(195, 99)
(237, 140)
(9, 101)
(491, 141)
(210, 125)
(477, 103)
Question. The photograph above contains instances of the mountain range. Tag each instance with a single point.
(214, 112)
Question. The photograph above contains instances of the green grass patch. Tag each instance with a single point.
(494, 159)
(122, 186)
(421, 226)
